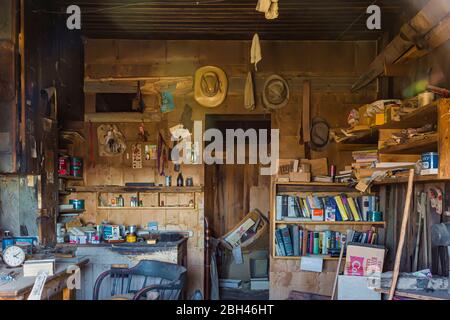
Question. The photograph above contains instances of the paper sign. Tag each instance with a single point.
(311, 264)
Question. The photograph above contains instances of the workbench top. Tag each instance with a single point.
(21, 285)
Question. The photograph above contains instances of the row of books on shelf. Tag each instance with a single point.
(329, 208)
(293, 241)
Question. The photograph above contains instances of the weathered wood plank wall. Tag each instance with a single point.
(331, 66)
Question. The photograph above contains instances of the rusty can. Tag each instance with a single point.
(76, 167)
(64, 166)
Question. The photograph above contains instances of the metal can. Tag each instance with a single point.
(168, 181)
(64, 166)
(76, 167)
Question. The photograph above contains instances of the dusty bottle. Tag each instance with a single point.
(180, 180)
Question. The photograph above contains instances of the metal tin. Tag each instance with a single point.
(64, 166)
(189, 182)
(77, 204)
(430, 160)
(168, 181)
(76, 167)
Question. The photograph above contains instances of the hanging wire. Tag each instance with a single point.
(355, 21)
(127, 5)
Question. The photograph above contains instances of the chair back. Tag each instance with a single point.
(126, 282)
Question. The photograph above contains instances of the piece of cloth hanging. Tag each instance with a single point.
(249, 93)
(263, 5)
(269, 8)
(273, 11)
(255, 53)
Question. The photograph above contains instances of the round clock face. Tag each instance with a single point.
(14, 256)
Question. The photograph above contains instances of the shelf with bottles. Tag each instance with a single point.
(146, 201)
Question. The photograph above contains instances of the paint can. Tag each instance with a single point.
(430, 163)
(76, 167)
(64, 166)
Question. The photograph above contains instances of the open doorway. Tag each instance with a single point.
(233, 194)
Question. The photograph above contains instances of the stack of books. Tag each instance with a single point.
(292, 241)
(365, 158)
(330, 209)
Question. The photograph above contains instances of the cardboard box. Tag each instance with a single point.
(380, 119)
(299, 177)
(364, 260)
(319, 167)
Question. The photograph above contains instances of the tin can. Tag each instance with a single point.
(64, 166)
(430, 163)
(168, 181)
(76, 167)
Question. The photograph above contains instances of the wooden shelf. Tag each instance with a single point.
(335, 223)
(326, 258)
(313, 187)
(64, 193)
(427, 144)
(416, 119)
(404, 179)
(146, 208)
(123, 189)
(71, 178)
(312, 184)
(71, 211)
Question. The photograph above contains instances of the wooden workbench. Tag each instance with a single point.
(20, 288)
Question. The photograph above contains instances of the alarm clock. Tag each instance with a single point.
(13, 256)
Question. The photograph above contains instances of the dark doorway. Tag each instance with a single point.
(231, 192)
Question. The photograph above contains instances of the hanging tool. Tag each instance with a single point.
(338, 270)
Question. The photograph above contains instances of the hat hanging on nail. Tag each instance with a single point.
(276, 93)
(211, 86)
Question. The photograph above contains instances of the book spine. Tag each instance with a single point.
(305, 242)
(280, 242)
(287, 242)
(296, 240)
(316, 243)
(341, 207)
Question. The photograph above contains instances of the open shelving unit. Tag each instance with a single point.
(317, 189)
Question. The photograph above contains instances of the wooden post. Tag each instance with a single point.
(444, 138)
(401, 242)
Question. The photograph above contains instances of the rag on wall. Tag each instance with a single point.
(255, 53)
(269, 7)
(249, 93)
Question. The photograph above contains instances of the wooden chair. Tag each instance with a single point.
(149, 280)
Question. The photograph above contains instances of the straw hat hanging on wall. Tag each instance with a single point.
(276, 93)
(211, 86)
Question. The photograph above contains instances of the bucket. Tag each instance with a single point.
(76, 167)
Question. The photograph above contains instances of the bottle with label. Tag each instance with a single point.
(120, 201)
(180, 180)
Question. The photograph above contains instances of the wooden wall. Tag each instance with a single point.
(330, 66)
